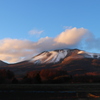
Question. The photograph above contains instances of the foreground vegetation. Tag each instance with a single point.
(52, 87)
(47, 76)
(49, 91)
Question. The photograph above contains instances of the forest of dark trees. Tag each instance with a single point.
(46, 76)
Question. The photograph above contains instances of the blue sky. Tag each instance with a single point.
(36, 19)
(18, 17)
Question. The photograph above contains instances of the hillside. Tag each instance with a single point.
(72, 62)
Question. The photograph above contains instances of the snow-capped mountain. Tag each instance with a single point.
(58, 55)
(74, 61)
(50, 56)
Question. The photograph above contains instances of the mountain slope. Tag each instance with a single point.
(59, 55)
(3, 63)
(50, 57)
(74, 61)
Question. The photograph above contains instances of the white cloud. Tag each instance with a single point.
(15, 50)
(35, 32)
(72, 36)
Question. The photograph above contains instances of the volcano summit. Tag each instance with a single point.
(49, 65)
(59, 55)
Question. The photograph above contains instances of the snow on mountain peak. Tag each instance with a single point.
(81, 52)
(89, 55)
(50, 56)
(57, 55)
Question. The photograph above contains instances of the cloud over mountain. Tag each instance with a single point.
(72, 36)
(15, 50)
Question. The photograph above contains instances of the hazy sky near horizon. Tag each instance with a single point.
(28, 27)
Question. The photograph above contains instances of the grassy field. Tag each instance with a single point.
(53, 87)
(48, 91)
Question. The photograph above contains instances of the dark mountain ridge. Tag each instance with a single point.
(73, 61)
(3, 64)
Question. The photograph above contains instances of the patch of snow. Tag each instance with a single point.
(61, 55)
(89, 55)
(94, 55)
(49, 57)
(81, 52)
(53, 55)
